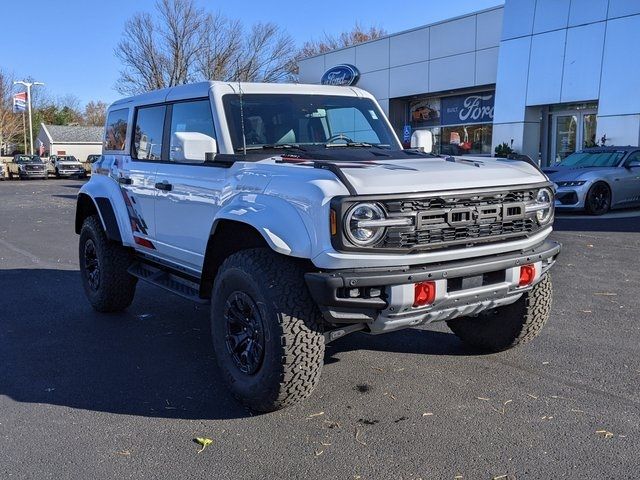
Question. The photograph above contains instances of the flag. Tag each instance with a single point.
(20, 102)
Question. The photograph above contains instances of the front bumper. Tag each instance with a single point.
(71, 172)
(463, 287)
(32, 174)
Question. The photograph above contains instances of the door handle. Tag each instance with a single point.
(125, 180)
(165, 186)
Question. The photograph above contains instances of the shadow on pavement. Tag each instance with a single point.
(155, 359)
(575, 223)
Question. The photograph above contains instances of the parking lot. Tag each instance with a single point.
(123, 396)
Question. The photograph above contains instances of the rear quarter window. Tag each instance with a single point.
(116, 130)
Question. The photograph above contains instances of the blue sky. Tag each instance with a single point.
(69, 43)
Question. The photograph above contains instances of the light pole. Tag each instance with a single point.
(29, 85)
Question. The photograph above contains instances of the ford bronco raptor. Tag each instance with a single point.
(294, 211)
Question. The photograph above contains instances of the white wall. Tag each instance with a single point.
(80, 151)
(568, 51)
(457, 53)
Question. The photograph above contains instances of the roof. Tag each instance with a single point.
(202, 89)
(73, 134)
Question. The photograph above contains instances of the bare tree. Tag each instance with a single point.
(10, 123)
(183, 43)
(95, 113)
(358, 34)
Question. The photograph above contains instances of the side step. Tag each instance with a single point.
(167, 281)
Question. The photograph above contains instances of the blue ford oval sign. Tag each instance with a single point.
(341, 75)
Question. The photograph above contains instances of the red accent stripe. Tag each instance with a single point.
(144, 242)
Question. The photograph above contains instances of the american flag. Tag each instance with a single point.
(20, 102)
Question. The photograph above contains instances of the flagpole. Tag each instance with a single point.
(28, 85)
(24, 127)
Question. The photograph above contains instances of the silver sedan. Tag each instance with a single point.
(597, 179)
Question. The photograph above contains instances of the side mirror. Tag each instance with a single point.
(191, 147)
(632, 164)
(422, 140)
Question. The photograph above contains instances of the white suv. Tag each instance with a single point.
(294, 210)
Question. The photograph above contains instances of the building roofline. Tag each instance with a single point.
(46, 132)
(409, 30)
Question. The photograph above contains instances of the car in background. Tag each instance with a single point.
(597, 180)
(26, 166)
(66, 166)
(93, 158)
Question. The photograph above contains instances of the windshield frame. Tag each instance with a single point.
(30, 159)
(389, 139)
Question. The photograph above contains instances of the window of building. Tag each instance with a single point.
(116, 130)
(192, 121)
(147, 141)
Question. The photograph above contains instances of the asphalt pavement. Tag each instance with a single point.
(88, 395)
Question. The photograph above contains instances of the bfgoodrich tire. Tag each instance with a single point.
(103, 268)
(266, 330)
(505, 327)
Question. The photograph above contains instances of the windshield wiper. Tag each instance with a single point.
(273, 146)
(358, 144)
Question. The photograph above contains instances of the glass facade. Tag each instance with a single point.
(461, 124)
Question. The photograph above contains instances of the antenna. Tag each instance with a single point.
(244, 138)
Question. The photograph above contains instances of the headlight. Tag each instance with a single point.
(575, 183)
(21, 168)
(544, 202)
(362, 224)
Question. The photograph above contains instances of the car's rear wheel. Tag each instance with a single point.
(598, 200)
(505, 327)
(266, 330)
(103, 268)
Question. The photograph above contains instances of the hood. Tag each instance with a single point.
(568, 174)
(438, 173)
(67, 163)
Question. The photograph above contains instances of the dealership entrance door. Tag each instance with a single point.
(572, 129)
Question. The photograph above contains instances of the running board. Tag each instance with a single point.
(167, 281)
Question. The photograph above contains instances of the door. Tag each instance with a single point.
(189, 191)
(139, 172)
(572, 131)
(628, 188)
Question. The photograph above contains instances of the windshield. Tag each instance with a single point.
(278, 121)
(592, 159)
(67, 159)
(28, 159)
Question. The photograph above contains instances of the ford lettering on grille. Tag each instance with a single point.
(474, 215)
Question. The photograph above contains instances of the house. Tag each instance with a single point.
(78, 141)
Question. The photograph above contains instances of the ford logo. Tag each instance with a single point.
(341, 75)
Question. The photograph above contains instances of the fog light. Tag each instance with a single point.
(424, 294)
(354, 292)
(527, 275)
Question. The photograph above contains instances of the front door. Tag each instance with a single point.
(572, 131)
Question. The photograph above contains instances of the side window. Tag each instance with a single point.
(192, 134)
(147, 139)
(116, 131)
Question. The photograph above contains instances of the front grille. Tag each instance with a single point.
(460, 219)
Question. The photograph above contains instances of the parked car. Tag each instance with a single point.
(267, 201)
(66, 166)
(26, 166)
(92, 158)
(597, 180)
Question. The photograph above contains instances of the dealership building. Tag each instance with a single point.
(548, 77)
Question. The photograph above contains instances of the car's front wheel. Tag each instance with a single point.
(103, 268)
(266, 329)
(598, 199)
(505, 327)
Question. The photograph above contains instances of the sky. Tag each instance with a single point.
(69, 44)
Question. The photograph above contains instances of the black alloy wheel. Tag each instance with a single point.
(598, 201)
(244, 332)
(92, 265)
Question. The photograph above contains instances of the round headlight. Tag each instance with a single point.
(545, 197)
(360, 224)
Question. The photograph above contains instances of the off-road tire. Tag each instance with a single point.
(116, 287)
(293, 341)
(505, 327)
